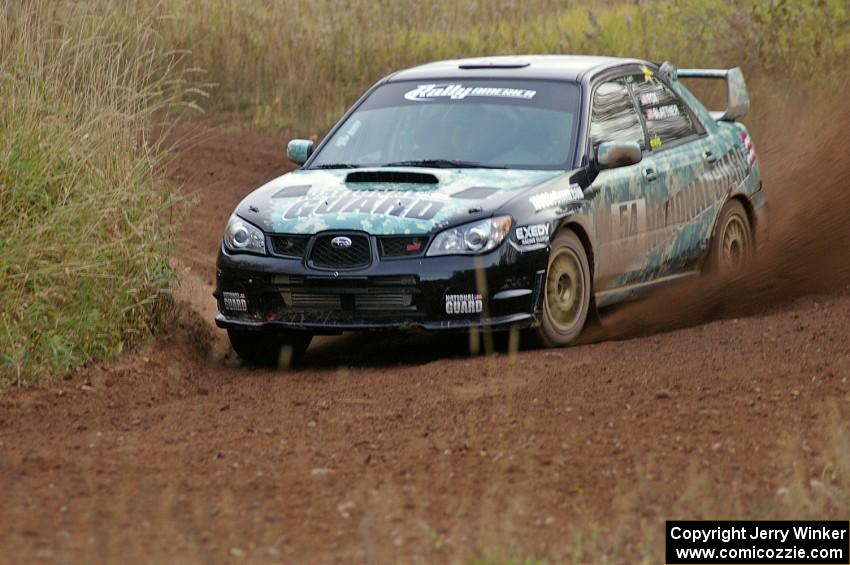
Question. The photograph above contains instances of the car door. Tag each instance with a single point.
(678, 156)
(628, 217)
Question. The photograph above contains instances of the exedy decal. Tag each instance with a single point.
(532, 235)
(459, 92)
(389, 205)
(464, 303)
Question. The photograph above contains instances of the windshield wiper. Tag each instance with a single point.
(443, 164)
(337, 166)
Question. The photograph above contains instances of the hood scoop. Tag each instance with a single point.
(406, 177)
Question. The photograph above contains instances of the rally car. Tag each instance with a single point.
(505, 192)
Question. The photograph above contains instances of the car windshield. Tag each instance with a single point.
(466, 123)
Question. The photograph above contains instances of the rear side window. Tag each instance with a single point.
(667, 118)
(613, 117)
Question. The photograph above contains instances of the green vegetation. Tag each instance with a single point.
(299, 64)
(84, 235)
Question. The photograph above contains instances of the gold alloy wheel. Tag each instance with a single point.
(735, 245)
(565, 290)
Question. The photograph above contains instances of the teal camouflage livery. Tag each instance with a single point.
(495, 193)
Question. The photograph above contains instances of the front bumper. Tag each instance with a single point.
(498, 290)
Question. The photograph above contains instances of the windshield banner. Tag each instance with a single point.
(459, 92)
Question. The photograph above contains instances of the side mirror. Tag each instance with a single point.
(613, 154)
(299, 150)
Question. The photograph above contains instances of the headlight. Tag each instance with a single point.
(469, 239)
(239, 235)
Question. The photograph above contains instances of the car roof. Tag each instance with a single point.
(558, 67)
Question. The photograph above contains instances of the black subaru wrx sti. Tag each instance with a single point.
(493, 193)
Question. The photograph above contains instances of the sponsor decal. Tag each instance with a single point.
(648, 99)
(234, 301)
(460, 92)
(398, 205)
(532, 235)
(662, 112)
(464, 303)
(556, 198)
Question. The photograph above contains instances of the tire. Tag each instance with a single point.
(566, 292)
(283, 349)
(732, 245)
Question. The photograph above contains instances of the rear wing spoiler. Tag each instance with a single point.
(737, 99)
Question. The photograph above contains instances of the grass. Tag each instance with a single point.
(298, 64)
(84, 234)
(811, 489)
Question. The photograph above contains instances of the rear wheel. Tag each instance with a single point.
(732, 246)
(567, 290)
(279, 349)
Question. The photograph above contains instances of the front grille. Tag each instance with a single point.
(384, 301)
(312, 301)
(325, 255)
(404, 246)
(366, 295)
(378, 301)
(289, 245)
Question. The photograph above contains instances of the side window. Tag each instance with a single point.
(613, 117)
(667, 118)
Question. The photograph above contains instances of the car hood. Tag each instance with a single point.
(383, 201)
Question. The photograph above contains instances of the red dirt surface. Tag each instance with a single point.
(403, 446)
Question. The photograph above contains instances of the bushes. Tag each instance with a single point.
(84, 239)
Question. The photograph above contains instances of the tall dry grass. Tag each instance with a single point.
(297, 64)
(84, 235)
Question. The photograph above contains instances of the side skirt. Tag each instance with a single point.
(614, 296)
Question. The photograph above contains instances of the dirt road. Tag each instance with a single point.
(404, 446)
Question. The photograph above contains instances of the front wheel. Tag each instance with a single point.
(280, 349)
(567, 290)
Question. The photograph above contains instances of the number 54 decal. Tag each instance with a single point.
(628, 219)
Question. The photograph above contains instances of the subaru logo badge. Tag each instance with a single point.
(341, 242)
